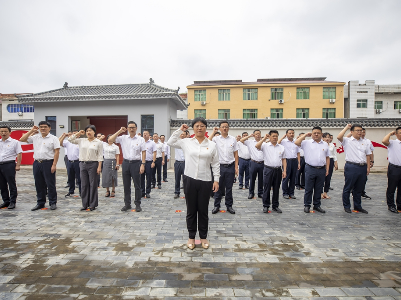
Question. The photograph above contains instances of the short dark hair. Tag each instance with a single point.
(93, 127)
(318, 128)
(244, 132)
(217, 133)
(398, 128)
(100, 133)
(355, 125)
(5, 126)
(44, 123)
(146, 131)
(302, 133)
(132, 122)
(289, 130)
(326, 134)
(257, 130)
(162, 135)
(155, 133)
(107, 138)
(186, 131)
(363, 129)
(198, 119)
(273, 131)
(224, 122)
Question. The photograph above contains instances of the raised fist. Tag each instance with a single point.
(215, 129)
(393, 132)
(35, 128)
(308, 134)
(123, 129)
(81, 132)
(349, 126)
(267, 136)
(184, 127)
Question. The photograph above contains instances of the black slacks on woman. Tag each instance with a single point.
(89, 177)
(327, 180)
(197, 194)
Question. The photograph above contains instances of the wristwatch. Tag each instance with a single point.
(144, 163)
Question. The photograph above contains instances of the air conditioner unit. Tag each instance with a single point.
(20, 113)
(203, 103)
(379, 111)
(399, 111)
(332, 100)
(281, 101)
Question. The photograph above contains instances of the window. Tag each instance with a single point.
(53, 124)
(250, 113)
(224, 114)
(277, 94)
(329, 93)
(75, 125)
(302, 113)
(24, 108)
(362, 103)
(200, 95)
(200, 113)
(250, 94)
(378, 104)
(329, 113)
(302, 93)
(148, 123)
(224, 95)
(276, 113)
(397, 104)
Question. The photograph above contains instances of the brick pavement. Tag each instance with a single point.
(109, 254)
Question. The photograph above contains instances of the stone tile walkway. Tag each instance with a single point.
(109, 254)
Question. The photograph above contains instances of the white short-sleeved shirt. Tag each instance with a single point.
(253, 151)
(226, 146)
(166, 150)
(301, 152)
(356, 150)
(43, 147)
(273, 155)
(149, 147)
(291, 150)
(131, 147)
(9, 149)
(333, 151)
(394, 152)
(160, 149)
(243, 151)
(71, 149)
(315, 153)
(179, 155)
(110, 151)
(370, 145)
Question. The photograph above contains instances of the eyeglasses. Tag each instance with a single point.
(359, 130)
(200, 126)
(131, 127)
(224, 127)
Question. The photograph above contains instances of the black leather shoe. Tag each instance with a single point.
(165, 180)
(37, 207)
(138, 208)
(307, 209)
(277, 210)
(143, 195)
(84, 208)
(215, 210)
(5, 204)
(330, 188)
(362, 211)
(125, 208)
(69, 195)
(293, 197)
(153, 186)
(286, 197)
(53, 207)
(11, 206)
(250, 196)
(392, 209)
(231, 210)
(176, 196)
(365, 196)
(265, 210)
(297, 187)
(159, 186)
(246, 187)
(347, 210)
(147, 195)
(92, 208)
(240, 187)
(260, 196)
(67, 186)
(319, 209)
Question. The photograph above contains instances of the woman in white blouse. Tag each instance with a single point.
(328, 138)
(90, 165)
(200, 154)
(111, 164)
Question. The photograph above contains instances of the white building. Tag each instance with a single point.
(11, 110)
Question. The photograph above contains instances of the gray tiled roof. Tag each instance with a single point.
(297, 123)
(105, 92)
(18, 124)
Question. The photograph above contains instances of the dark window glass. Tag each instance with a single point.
(148, 123)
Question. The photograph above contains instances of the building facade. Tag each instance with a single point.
(11, 110)
(280, 98)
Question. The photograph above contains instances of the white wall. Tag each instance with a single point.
(6, 116)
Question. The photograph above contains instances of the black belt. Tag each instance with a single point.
(316, 167)
(273, 168)
(226, 165)
(180, 161)
(89, 162)
(291, 158)
(71, 161)
(43, 160)
(7, 162)
(393, 165)
(357, 164)
(131, 161)
(258, 162)
(245, 158)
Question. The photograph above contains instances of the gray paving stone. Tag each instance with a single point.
(384, 292)
(357, 292)
(327, 292)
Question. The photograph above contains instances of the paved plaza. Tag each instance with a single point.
(109, 254)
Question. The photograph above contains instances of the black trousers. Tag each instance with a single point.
(300, 176)
(158, 168)
(89, 193)
(243, 168)
(179, 167)
(74, 172)
(66, 162)
(130, 171)
(355, 178)
(45, 179)
(256, 169)
(393, 183)
(328, 177)
(271, 178)
(197, 194)
(314, 185)
(289, 181)
(8, 186)
(148, 175)
(226, 182)
(165, 169)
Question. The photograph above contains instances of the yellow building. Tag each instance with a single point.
(286, 98)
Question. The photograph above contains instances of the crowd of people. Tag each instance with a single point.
(207, 166)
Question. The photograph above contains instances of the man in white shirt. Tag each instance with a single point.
(46, 151)
(66, 160)
(274, 169)
(133, 163)
(179, 167)
(372, 161)
(300, 176)
(317, 160)
(73, 171)
(293, 163)
(357, 166)
(256, 165)
(160, 161)
(243, 160)
(166, 156)
(394, 169)
(10, 149)
(150, 149)
(228, 158)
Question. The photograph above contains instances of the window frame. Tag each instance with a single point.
(301, 91)
(144, 125)
(53, 124)
(377, 103)
(250, 111)
(199, 110)
(223, 94)
(19, 107)
(328, 93)
(397, 103)
(328, 112)
(278, 111)
(274, 93)
(359, 104)
(303, 112)
(249, 93)
(198, 94)
(226, 112)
